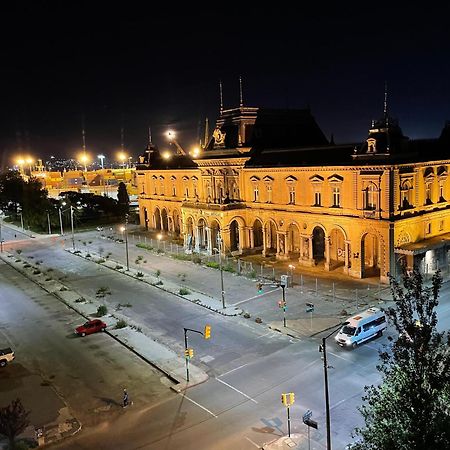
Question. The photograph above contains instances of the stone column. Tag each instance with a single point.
(264, 250)
(327, 254)
(310, 248)
(209, 247)
(251, 237)
(242, 239)
(346, 258)
(197, 239)
(226, 241)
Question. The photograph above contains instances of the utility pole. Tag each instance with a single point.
(60, 221)
(71, 224)
(219, 238)
(49, 226)
(189, 352)
(126, 241)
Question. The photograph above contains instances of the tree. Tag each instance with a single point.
(123, 198)
(13, 421)
(409, 410)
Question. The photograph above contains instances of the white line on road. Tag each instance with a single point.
(338, 356)
(254, 443)
(237, 390)
(265, 334)
(200, 406)
(252, 298)
(232, 370)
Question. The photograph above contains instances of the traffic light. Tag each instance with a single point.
(189, 353)
(207, 333)
(284, 399)
(292, 398)
(288, 399)
(260, 288)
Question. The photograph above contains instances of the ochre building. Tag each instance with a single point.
(269, 182)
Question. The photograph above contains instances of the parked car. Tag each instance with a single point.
(91, 326)
(6, 356)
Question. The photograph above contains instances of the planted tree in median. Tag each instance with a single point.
(409, 410)
(13, 421)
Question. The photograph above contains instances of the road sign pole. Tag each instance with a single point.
(309, 439)
(185, 354)
(284, 307)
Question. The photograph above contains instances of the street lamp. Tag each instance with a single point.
(323, 348)
(101, 158)
(122, 157)
(84, 160)
(29, 162)
(124, 229)
(171, 137)
(20, 163)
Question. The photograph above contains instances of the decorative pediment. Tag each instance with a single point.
(268, 179)
(185, 179)
(154, 177)
(442, 172)
(254, 179)
(161, 178)
(173, 178)
(335, 179)
(194, 179)
(290, 179)
(316, 179)
(371, 145)
(429, 174)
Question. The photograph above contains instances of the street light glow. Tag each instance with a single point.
(159, 236)
(195, 152)
(170, 134)
(166, 155)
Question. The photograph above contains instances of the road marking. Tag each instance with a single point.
(237, 390)
(232, 370)
(252, 298)
(252, 442)
(265, 334)
(200, 406)
(339, 356)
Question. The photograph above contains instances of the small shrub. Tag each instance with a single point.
(159, 251)
(50, 270)
(213, 264)
(158, 283)
(140, 257)
(126, 305)
(137, 261)
(26, 265)
(36, 272)
(63, 288)
(31, 257)
(38, 263)
(18, 260)
(140, 274)
(120, 324)
(145, 261)
(76, 252)
(18, 251)
(84, 242)
(119, 267)
(89, 242)
(252, 274)
(144, 245)
(80, 300)
(247, 316)
(102, 310)
(258, 320)
(183, 291)
(158, 273)
(48, 279)
(100, 261)
(197, 260)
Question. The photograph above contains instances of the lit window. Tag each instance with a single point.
(370, 196)
(317, 198)
(428, 228)
(255, 193)
(269, 193)
(428, 187)
(174, 190)
(292, 195)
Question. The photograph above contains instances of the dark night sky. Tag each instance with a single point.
(161, 68)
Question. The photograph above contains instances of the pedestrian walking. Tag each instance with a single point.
(125, 398)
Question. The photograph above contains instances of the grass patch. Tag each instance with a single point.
(144, 245)
(213, 264)
(197, 260)
(184, 291)
(181, 256)
(100, 261)
(229, 268)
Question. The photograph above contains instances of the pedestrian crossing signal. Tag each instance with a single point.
(207, 333)
(189, 353)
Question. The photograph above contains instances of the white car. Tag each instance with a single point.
(6, 356)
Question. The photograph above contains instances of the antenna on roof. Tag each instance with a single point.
(149, 135)
(83, 133)
(122, 144)
(241, 98)
(221, 96)
(385, 113)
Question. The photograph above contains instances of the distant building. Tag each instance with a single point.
(270, 182)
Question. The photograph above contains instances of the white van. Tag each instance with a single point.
(361, 328)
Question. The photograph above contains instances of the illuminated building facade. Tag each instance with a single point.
(270, 182)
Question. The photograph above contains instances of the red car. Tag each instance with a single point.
(91, 326)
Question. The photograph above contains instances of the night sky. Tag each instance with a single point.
(134, 67)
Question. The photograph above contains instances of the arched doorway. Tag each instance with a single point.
(271, 237)
(370, 255)
(257, 234)
(318, 243)
(189, 237)
(215, 228)
(234, 236)
(337, 248)
(164, 220)
(201, 233)
(157, 219)
(176, 222)
(293, 239)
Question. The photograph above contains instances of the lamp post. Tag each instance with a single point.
(125, 230)
(71, 224)
(49, 225)
(84, 160)
(29, 162)
(219, 250)
(323, 348)
(101, 158)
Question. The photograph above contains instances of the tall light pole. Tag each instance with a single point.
(101, 158)
(60, 221)
(49, 226)
(29, 162)
(71, 224)
(219, 241)
(125, 230)
(323, 349)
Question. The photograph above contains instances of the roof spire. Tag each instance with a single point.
(149, 135)
(83, 134)
(241, 98)
(221, 96)
(206, 133)
(385, 113)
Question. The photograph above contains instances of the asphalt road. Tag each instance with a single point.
(250, 366)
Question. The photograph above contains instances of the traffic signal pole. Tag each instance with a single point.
(189, 352)
(186, 353)
(284, 312)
